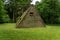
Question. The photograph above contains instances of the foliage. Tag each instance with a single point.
(49, 10)
(16, 7)
(3, 14)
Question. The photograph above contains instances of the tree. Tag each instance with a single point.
(16, 7)
(3, 15)
(49, 10)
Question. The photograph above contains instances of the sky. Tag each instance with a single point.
(34, 1)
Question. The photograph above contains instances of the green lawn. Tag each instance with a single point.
(9, 32)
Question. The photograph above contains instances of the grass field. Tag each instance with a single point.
(9, 32)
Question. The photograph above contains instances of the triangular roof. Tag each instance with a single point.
(25, 13)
